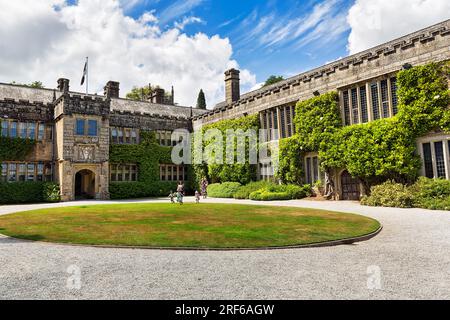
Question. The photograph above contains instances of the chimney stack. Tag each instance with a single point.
(232, 86)
(158, 96)
(112, 89)
(63, 85)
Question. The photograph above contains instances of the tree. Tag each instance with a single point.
(201, 101)
(273, 79)
(140, 93)
(34, 84)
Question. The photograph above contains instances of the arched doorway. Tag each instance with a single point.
(85, 184)
(350, 187)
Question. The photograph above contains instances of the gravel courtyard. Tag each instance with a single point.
(409, 259)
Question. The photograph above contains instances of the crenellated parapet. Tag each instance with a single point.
(25, 110)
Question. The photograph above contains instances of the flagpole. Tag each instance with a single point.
(87, 75)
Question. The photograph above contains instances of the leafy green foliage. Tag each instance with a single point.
(281, 192)
(15, 149)
(51, 192)
(148, 155)
(290, 164)
(201, 100)
(424, 193)
(34, 84)
(244, 191)
(28, 192)
(223, 190)
(389, 194)
(316, 120)
(423, 98)
(237, 172)
(272, 80)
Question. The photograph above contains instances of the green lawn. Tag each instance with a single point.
(190, 225)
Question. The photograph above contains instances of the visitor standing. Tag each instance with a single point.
(204, 187)
(180, 192)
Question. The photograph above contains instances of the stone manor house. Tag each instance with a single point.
(73, 131)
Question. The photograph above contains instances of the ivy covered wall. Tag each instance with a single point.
(148, 154)
(375, 151)
(242, 173)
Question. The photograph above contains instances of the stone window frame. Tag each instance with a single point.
(118, 172)
(432, 140)
(279, 121)
(42, 171)
(86, 126)
(172, 171)
(41, 130)
(385, 88)
(164, 138)
(122, 133)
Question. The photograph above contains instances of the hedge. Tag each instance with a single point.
(223, 190)
(28, 192)
(281, 192)
(244, 191)
(425, 193)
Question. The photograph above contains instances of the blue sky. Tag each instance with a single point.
(248, 23)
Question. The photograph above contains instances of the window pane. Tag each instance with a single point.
(4, 176)
(41, 130)
(283, 124)
(120, 135)
(315, 169)
(92, 128)
(32, 130)
(12, 172)
(428, 160)
(375, 101)
(79, 131)
(174, 173)
(308, 170)
(346, 109)
(30, 172)
(355, 111)
(22, 171)
(440, 163)
(394, 95)
(4, 131)
(385, 98)
(40, 172)
(363, 102)
(13, 129)
(23, 130)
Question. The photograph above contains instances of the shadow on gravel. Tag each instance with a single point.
(17, 238)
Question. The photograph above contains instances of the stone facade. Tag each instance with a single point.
(358, 77)
(80, 160)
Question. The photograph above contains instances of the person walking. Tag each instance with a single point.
(180, 192)
(204, 188)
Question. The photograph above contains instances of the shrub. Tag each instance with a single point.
(244, 191)
(21, 192)
(389, 194)
(281, 192)
(223, 190)
(51, 192)
(431, 193)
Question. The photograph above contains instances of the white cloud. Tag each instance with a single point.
(187, 20)
(374, 22)
(47, 39)
(178, 9)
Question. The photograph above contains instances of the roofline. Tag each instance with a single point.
(325, 66)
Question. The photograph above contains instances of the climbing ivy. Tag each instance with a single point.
(242, 173)
(147, 155)
(15, 149)
(375, 151)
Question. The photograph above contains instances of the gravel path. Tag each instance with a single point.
(409, 259)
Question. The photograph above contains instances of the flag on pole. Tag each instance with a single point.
(84, 72)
